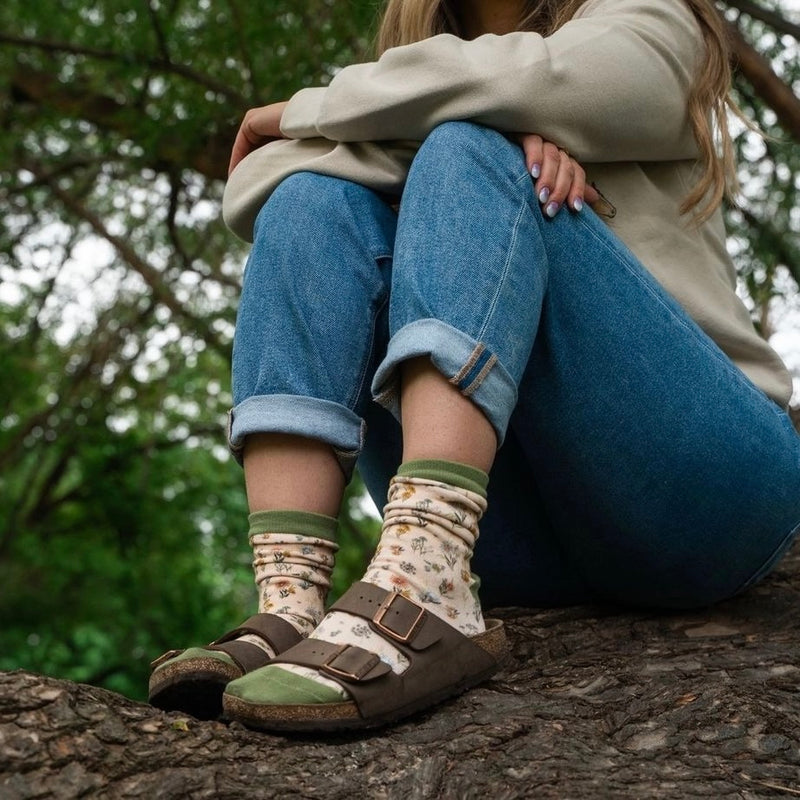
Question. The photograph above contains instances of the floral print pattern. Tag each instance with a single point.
(293, 575)
(428, 535)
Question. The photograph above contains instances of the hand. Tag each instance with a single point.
(558, 176)
(259, 126)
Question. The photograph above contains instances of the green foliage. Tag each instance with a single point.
(123, 522)
(123, 528)
(764, 226)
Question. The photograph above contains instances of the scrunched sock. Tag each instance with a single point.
(293, 556)
(429, 532)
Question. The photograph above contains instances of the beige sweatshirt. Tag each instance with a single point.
(610, 86)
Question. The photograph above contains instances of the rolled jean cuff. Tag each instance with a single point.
(466, 363)
(322, 420)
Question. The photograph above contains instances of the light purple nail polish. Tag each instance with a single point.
(536, 170)
(551, 210)
(544, 194)
(578, 204)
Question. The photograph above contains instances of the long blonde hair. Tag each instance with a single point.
(407, 21)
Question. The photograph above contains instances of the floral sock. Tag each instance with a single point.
(293, 555)
(429, 531)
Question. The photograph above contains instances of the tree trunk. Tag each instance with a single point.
(592, 704)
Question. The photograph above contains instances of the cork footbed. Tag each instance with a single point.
(345, 715)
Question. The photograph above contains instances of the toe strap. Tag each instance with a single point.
(278, 634)
(346, 663)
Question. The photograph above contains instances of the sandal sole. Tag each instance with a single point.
(193, 687)
(345, 716)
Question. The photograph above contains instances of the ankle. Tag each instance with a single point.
(293, 557)
(429, 531)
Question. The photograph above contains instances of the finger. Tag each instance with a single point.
(551, 161)
(532, 145)
(575, 198)
(241, 148)
(247, 139)
(563, 183)
(259, 126)
(591, 195)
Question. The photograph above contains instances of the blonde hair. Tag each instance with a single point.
(407, 21)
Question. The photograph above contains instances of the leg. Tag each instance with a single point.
(468, 203)
(672, 480)
(289, 471)
(310, 326)
(439, 422)
(669, 478)
(459, 371)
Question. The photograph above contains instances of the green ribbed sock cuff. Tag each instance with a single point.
(303, 523)
(461, 475)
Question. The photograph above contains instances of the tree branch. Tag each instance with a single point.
(158, 64)
(209, 159)
(769, 87)
(767, 16)
(152, 277)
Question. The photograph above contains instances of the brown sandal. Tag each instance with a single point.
(193, 680)
(443, 662)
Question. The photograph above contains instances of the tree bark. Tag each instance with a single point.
(592, 703)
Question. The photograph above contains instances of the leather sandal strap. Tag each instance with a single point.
(248, 656)
(279, 634)
(342, 662)
(440, 657)
(397, 619)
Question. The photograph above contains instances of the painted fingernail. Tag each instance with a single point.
(577, 205)
(544, 194)
(536, 170)
(551, 210)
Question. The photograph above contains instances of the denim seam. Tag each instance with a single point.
(771, 561)
(512, 241)
(633, 268)
(468, 364)
(480, 377)
(388, 395)
(353, 399)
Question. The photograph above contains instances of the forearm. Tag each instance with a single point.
(382, 167)
(611, 85)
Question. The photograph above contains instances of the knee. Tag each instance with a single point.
(454, 143)
(301, 200)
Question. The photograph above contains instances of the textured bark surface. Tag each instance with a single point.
(592, 704)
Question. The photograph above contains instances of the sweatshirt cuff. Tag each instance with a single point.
(299, 120)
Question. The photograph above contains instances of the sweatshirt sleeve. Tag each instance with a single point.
(610, 85)
(382, 167)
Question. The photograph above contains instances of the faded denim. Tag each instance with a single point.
(639, 465)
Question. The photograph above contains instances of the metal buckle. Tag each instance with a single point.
(383, 610)
(344, 674)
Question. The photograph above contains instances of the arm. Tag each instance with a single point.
(382, 167)
(610, 85)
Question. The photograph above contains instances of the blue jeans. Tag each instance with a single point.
(638, 464)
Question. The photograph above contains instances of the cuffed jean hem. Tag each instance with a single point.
(466, 363)
(323, 420)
